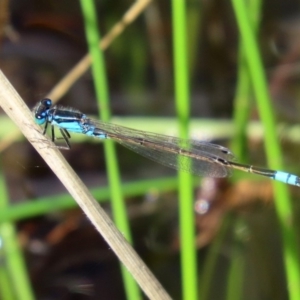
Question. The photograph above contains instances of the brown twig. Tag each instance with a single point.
(17, 110)
(82, 66)
(60, 89)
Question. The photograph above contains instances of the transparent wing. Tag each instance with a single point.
(191, 144)
(170, 159)
(167, 149)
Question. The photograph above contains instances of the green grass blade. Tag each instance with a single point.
(210, 265)
(12, 254)
(242, 108)
(33, 208)
(235, 278)
(6, 290)
(101, 87)
(274, 155)
(242, 101)
(186, 210)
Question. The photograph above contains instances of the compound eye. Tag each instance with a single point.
(46, 102)
(40, 119)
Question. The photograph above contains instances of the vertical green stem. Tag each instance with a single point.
(242, 101)
(101, 87)
(187, 230)
(12, 254)
(210, 264)
(235, 280)
(274, 155)
(6, 289)
(242, 109)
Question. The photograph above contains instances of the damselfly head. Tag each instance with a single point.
(41, 111)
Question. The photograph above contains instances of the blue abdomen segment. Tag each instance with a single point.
(98, 133)
(287, 178)
(70, 126)
(77, 123)
(69, 120)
